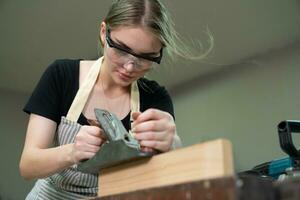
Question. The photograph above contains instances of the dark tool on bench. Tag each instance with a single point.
(286, 167)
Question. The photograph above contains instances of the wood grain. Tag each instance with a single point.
(206, 160)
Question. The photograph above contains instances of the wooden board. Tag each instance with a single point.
(206, 160)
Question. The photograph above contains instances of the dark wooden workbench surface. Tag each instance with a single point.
(229, 188)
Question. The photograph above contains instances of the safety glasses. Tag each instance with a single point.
(124, 51)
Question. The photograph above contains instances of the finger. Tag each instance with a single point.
(152, 125)
(147, 149)
(83, 152)
(85, 147)
(92, 140)
(135, 115)
(103, 135)
(97, 141)
(159, 136)
(92, 130)
(92, 148)
(151, 114)
(97, 132)
(162, 146)
(94, 122)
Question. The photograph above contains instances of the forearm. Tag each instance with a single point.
(39, 163)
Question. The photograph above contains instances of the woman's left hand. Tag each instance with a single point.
(154, 129)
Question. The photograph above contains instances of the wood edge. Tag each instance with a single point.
(227, 157)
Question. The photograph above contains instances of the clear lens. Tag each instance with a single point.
(122, 57)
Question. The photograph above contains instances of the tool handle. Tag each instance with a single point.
(285, 130)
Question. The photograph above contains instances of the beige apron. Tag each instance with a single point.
(70, 183)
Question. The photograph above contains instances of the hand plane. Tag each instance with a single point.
(120, 146)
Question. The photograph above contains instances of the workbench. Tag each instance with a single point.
(227, 188)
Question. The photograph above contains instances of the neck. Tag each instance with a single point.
(108, 85)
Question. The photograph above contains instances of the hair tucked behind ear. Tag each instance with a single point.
(153, 15)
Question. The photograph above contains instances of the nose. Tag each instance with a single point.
(129, 66)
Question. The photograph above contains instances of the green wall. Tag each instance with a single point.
(12, 128)
(243, 103)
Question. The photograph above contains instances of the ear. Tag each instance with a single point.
(102, 33)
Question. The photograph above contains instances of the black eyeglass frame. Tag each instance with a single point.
(113, 44)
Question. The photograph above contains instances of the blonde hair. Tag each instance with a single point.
(153, 15)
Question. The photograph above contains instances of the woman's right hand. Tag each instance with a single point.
(39, 159)
(87, 143)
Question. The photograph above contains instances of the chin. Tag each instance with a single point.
(123, 80)
(124, 84)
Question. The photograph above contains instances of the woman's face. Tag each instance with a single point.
(128, 52)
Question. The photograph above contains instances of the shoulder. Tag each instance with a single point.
(63, 67)
(62, 71)
(55, 90)
(153, 95)
(65, 62)
(150, 86)
(152, 90)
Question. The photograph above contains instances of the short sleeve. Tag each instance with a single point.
(163, 101)
(46, 97)
(155, 96)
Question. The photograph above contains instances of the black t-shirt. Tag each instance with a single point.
(59, 84)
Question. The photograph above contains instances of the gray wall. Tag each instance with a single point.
(243, 103)
(12, 129)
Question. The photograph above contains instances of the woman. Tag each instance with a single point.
(134, 35)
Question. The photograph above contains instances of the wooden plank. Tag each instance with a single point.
(213, 189)
(206, 160)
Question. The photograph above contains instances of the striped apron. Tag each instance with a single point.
(71, 183)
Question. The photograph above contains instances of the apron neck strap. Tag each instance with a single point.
(87, 86)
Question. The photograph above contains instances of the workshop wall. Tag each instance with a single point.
(243, 103)
(13, 124)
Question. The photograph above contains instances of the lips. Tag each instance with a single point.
(124, 76)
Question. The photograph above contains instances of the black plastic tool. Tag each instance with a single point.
(285, 130)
